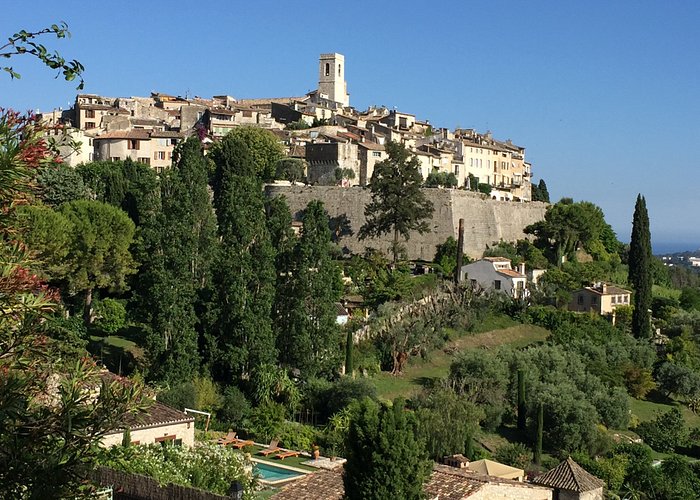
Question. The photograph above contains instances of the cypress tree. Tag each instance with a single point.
(540, 430)
(348, 353)
(521, 400)
(241, 337)
(640, 269)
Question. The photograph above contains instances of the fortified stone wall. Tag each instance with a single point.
(486, 221)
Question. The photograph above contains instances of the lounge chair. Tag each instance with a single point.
(227, 439)
(242, 443)
(272, 448)
(287, 454)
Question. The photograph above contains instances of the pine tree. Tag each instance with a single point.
(241, 337)
(309, 339)
(181, 251)
(398, 205)
(384, 457)
(640, 269)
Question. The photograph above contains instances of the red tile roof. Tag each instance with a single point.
(569, 475)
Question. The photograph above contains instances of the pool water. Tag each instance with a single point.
(272, 474)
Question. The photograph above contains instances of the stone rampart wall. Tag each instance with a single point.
(486, 221)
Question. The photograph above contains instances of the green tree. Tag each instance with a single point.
(241, 337)
(99, 252)
(540, 192)
(61, 184)
(178, 268)
(384, 457)
(50, 424)
(49, 235)
(291, 169)
(446, 256)
(639, 261)
(398, 204)
(264, 148)
(310, 338)
(666, 432)
(446, 422)
(441, 179)
(26, 43)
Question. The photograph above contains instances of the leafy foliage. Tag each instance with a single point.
(264, 149)
(206, 466)
(398, 205)
(384, 458)
(24, 43)
(441, 179)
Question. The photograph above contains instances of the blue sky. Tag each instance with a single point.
(604, 95)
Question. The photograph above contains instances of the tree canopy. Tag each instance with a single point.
(398, 204)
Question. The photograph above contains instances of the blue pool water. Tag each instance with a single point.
(272, 473)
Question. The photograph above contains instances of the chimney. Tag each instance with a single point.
(521, 268)
(604, 288)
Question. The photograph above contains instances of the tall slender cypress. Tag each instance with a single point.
(540, 429)
(640, 269)
(348, 353)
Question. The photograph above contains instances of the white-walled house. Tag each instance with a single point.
(160, 423)
(496, 273)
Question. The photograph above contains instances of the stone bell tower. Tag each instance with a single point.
(331, 78)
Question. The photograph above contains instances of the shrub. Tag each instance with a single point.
(110, 315)
(513, 454)
(234, 409)
(666, 432)
(267, 421)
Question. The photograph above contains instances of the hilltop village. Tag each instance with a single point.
(321, 128)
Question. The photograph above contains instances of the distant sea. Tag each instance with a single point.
(663, 248)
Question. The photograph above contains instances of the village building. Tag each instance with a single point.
(159, 424)
(496, 273)
(600, 298)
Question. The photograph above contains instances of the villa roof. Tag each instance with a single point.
(124, 134)
(496, 259)
(156, 415)
(609, 290)
(510, 273)
(569, 475)
(445, 483)
(497, 469)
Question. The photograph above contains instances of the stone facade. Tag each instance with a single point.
(151, 435)
(485, 221)
(506, 491)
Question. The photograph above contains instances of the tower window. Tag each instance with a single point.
(339, 69)
(328, 69)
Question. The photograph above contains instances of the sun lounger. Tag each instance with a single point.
(241, 443)
(272, 448)
(227, 439)
(287, 454)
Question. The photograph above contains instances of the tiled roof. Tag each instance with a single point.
(124, 134)
(510, 273)
(371, 145)
(156, 415)
(496, 259)
(167, 134)
(340, 310)
(277, 100)
(569, 475)
(445, 483)
(609, 290)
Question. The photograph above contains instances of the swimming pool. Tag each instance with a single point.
(271, 474)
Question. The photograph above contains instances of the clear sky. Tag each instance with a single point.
(603, 94)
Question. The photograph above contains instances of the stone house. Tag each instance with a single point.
(154, 148)
(370, 153)
(495, 273)
(323, 158)
(600, 298)
(160, 424)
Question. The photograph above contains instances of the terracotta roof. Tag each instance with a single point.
(609, 290)
(146, 121)
(510, 273)
(277, 100)
(340, 310)
(124, 134)
(167, 133)
(371, 145)
(157, 415)
(569, 475)
(445, 483)
(99, 107)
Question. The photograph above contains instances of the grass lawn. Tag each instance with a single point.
(662, 291)
(421, 373)
(647, 410)
(119, 354)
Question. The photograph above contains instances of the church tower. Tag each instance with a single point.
(331, 79)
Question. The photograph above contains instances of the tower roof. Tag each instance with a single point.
(569, 475)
